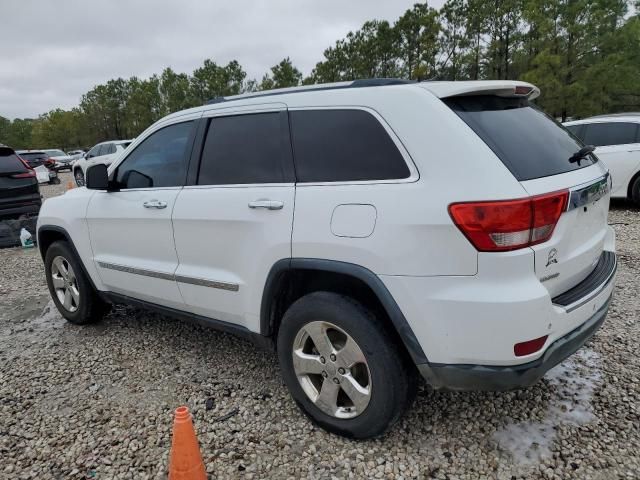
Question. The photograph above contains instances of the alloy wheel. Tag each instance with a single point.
(65, 283)
(332, 369)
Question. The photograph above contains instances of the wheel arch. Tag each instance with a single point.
(634, 177)
(48, 234)
(290, 279)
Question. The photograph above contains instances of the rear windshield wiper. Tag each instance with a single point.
(580, 154)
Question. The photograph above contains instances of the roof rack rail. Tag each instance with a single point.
(360, 83)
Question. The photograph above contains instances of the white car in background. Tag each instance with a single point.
(102, 153)
(63, 161)
(616, 139)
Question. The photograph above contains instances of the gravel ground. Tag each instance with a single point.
(97, 401)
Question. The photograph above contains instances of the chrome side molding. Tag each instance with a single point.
(231, 287)
(137, 271)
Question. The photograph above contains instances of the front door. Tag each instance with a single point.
(235, 222)
(130, 229)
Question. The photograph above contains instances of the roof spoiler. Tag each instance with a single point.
(500, 88)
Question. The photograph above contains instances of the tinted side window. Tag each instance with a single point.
(159, 161)
(94, 151)
(111, 148)
(342, 146)
(614, 133)
(245, 149)
(576, 130)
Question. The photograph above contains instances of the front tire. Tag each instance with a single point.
(69, 286)
(342, 367)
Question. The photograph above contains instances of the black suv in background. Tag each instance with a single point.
(20, 199)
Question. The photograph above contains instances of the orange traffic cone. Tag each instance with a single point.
(185, 462)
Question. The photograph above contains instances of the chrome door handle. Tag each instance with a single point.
(155, 204)
(268, 204)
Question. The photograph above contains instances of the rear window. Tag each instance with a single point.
(34, 155)
(529, 143)
(614, 133)
(10, 163)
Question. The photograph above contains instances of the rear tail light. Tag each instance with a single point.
(529, 347)
(522, 90)
(28, 174)
(509, 224)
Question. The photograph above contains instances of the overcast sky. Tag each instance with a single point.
(53, 51)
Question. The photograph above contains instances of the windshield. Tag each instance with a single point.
(529, 143)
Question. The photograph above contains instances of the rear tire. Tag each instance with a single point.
(635, 192)
(79, 177)
(70, 289)
(372, 393)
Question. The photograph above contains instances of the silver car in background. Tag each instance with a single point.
(61, 159)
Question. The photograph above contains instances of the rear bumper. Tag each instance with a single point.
(16, 211)
(480, 377)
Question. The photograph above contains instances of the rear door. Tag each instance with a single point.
(617, 146)
(537, 151)
(233, 223)
(130, 229)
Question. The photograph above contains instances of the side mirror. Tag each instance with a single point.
(97, 177)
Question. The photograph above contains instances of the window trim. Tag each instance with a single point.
(414, 174)
(113, 173)
(287, 164)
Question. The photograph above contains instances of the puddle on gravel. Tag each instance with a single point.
(573, 383)
(50, 318)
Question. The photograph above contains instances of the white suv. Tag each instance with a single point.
(102, 153)
(368, 230)
(616, 139)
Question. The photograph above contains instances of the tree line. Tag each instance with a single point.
(583, 54)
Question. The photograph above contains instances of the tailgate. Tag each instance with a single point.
(578, 240)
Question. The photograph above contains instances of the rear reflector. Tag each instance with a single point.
(529, 347)
(509, 224)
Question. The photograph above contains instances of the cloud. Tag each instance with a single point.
(54, 51)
